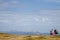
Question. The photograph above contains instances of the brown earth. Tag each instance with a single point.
(26, 37)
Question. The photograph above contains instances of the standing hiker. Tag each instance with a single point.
(55, 31)
(52, 32)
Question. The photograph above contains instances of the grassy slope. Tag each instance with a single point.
(25, 37)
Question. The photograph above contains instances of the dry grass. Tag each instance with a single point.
(26, 37)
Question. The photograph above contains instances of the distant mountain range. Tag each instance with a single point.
(28, 33)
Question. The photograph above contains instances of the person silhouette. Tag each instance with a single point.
(52, 32)
(55, 31)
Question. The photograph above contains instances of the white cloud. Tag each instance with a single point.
(53, 0)
(11, 4)
(50, 12)
(45, 19)
(36, 19)
(7, 13)
(4, 21)
(44, 16)
(58, 1)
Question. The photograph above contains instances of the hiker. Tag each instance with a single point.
(52, 32)
(55, 31)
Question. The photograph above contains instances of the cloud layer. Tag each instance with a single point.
(43, 18)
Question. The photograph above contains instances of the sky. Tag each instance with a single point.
(29, 15)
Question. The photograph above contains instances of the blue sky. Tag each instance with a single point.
(29, 15)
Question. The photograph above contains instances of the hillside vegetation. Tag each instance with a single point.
(4, 36)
